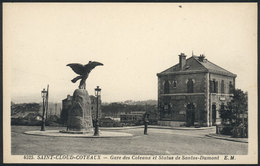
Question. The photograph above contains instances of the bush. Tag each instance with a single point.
(25, 122)
(240, 131)
(224, 129)
(230, 114)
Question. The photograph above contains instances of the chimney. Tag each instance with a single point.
(201, 58)
(182, 61)
(68, 97)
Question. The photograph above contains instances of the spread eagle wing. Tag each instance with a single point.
(91, 65)
(77, 68)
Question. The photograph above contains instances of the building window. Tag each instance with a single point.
(222, 86)
(174, 84)
(231, 87)
(222, 106)
(166, 107)
(190, 86)
(166, 87)
(213, 86)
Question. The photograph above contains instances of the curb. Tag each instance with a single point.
(57, 133)
(226, 138)
(182, 128)
(119, 128)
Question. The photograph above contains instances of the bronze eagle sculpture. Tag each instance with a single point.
(83, 72)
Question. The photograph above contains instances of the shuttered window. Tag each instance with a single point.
(222, 87)
(166, 87)
(213, 86)
(190, 86)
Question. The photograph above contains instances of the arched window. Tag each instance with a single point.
(174, 84)
(190, 86)
(222, 86)
(213, 86)
(166, 87)
(231, 87)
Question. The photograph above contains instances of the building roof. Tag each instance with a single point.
(193, 64)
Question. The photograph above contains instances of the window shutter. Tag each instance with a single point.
(210, 86)
(216, 88)
(222, 87)
(190, 86)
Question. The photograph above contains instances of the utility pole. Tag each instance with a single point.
(47, 97)
(44, 94)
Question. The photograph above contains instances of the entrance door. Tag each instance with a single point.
(190, 115)
(214, 114)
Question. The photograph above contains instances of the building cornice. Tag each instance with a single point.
(196, 72)
(182, 72)
(221, 94)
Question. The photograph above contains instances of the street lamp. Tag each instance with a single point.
(44, 95)
(97, 93)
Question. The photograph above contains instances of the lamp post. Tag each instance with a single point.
(97, 93)
(44, 95)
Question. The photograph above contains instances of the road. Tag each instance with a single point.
(157, 142)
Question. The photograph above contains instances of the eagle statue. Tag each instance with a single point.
(83, 71)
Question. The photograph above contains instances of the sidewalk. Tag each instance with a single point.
(158, 127)
(227, 137)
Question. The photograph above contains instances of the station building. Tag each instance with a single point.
(192, 92)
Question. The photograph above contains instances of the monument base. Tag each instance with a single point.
(79, 115)
(76, 132)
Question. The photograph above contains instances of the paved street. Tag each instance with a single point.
(158, 141)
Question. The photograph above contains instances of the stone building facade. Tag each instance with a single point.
(191, 92)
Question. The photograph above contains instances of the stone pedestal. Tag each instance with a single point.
(79, 115)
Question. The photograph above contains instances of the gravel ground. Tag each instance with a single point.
(157, 142)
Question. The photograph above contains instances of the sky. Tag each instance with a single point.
(133, 41)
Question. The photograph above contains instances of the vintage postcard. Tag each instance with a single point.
(137, 83)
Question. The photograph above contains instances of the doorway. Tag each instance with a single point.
(190, 115)
(214, 114)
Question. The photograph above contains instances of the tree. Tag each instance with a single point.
(232, 114)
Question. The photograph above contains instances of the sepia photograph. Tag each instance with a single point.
(130, 83)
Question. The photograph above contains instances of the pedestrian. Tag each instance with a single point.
(146, 121)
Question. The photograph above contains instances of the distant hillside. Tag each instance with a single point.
(31, 113)
(117, 109)
(132, 102)
(25, 114)
(22, 110)
(145, 102)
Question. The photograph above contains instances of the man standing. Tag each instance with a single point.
(146, 121)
